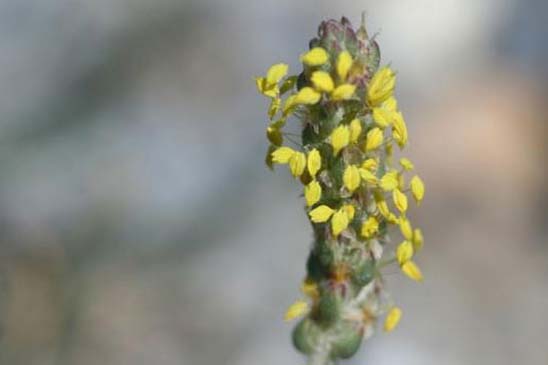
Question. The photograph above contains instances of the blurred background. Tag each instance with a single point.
(139, 225)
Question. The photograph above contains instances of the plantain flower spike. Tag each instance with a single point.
(356, 195)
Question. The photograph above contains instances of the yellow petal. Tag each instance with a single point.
(289, 104)
(386, 213)
(275, 73)
(417, 188)
(404, 252)
(370, 227)
(383, 117)
(314, 162)
(322, 81)
(392, 319)
(310, 289)
(321, 214)
(406, 164)
(274, 135)
(405, 228)
(312, 193)
(297, 309)
(400, 200)
(297, 164)
(339, 222)
(351, 178)
(374, 139)
(383, 207)
(343, 92)
(282, 155)
(271, 91)
(315, 57)
(260, 83)
(381, 86)
(344, 63)
(370, 164)
(389, 181)
(307, 95)
(412, 270)
(350, 211)
(399, 130)
(390, 104)
(367, 176)
(340, 137)
(355, 130)
(418, 240)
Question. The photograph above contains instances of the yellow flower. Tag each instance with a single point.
(406, 164)
(340, 137)
(412, 270)
(418, 240)
(383, 117)
(367, 176)
(343, 92)
(312, 193)
(307, 95)
(389, 181)
(310, 289)
(400, 200)
(381, 86)
(404, 252)
(351, 178)
(282, 155)
(370, 227)
(417, 188)
(322, 81)
(344, 63)
(315, 57)
(355, 130)
(339, 222)
(374, 139)
(399, 130)
(370, 164)
(297, 309)
(297, 164)
(275, 73)
(274, 135)
(314, 162)
(321, 214)
(405, 228)
(392, 319)
(271, 91)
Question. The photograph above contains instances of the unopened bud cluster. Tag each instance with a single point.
(353, 189)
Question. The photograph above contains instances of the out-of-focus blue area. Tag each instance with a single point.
(139, 224)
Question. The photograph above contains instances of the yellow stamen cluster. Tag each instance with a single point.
(353, 191)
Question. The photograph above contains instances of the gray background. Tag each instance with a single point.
(138, 224)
